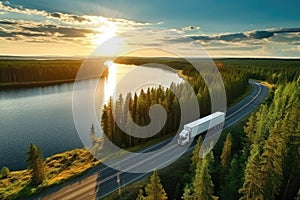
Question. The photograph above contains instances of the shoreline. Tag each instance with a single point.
(31, 84)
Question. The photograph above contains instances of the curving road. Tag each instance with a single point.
(101, 181)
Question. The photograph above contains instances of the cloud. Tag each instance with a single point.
(68, 18)
(63, 31)
(57, 25)
(259, 34)
(61, 16)
(16, 34)
(245, 36)
(7, 22)
(19, 9)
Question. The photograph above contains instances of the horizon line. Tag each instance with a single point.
(212, 57)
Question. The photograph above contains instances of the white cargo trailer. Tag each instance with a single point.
(194, 128)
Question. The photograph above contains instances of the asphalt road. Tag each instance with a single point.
(102, 181)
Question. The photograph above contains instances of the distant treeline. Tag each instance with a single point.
(271, 70)
(35, 72)
(16, 73)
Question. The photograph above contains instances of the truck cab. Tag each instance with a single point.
(184, 137)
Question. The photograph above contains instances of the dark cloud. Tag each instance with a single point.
(202, 37)
(224, 37)
(287, 30)
(15, 34)
(41, 31)
(6, 22)
(64, 31)
(257, 35)
(232, 37)
(55, 15)
(69, 17)
(79, 18)
(6, 34)
(260, 34)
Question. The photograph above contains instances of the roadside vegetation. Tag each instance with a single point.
(42, 174)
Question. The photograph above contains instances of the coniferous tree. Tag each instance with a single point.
(5, 172)
(226, 152)
(154, 189)
(104, 120)
(252, 187)
(141, 195)
(290, 130)
(195, 157)
(233, 181)
(35, 164)
(249, 129)
(271, 163)
(187, 194)
(110, 120)
(203, 185)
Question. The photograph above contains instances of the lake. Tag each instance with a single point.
(43, 115)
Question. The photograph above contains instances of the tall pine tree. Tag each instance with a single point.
(252, 187)
(35, 164)
(271, 163)
(203, 185)
(154, 189)
(226, 152)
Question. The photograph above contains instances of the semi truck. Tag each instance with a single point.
(201, 125)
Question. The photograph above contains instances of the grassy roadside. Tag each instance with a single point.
(58, 169)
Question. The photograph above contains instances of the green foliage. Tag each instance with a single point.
(271, 168)
(195, 157)
(233, 181)
(252, 187)
(141, 195)
(137, 106)
(203, 185)
(226, 153)
(271, 164)
(271, 134)
(154, 189)
(58, 168)
(187, 194)
(5, 172)
(37, 72)
(35, 164)
(250, 127)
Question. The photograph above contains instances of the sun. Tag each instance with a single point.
(106, 37)
(104, 33)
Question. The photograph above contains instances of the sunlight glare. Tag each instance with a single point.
(110, 82)
(104, 33)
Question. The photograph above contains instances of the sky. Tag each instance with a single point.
(256, 28)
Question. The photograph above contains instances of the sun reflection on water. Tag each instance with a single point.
(110, 80)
